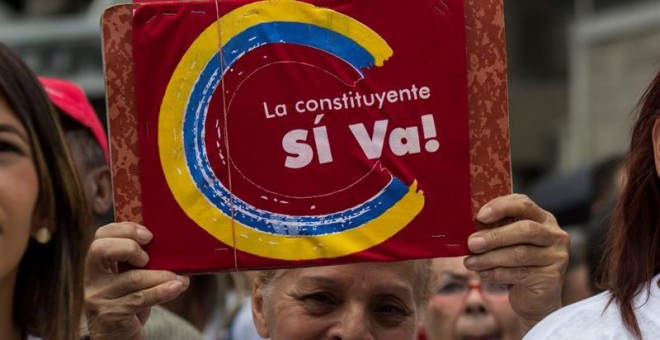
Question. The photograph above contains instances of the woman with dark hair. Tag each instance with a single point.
(630, 265)
(43, 226)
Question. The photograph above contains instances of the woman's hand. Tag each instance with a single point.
(117, 304)
(530, 253)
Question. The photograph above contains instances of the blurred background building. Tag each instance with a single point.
(59, 38)
(576, 71)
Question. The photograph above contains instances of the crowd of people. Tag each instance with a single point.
(58, 282)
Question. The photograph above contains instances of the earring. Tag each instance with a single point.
(43, 235)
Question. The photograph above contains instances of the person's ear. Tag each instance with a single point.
(259, 310)
(102, 194)
(656, 144)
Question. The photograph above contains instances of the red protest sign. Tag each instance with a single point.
(282, 132)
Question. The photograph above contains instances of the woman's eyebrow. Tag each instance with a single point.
(395, 288)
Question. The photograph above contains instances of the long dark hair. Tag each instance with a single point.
(48, 297)
(632, 254)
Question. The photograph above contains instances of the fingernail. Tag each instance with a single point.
(145, 257)
(470, 263)
(485, 214)
(185, 281)
(144, 234)
(175, 286)
(476, 244)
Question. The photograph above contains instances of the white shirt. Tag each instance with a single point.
(588, 319)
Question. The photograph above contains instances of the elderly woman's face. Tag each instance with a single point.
(354, 301)
(464, 307)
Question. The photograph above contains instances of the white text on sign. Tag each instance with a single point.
(400, 140)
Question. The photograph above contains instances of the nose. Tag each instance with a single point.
(474, 303)
(353, 323)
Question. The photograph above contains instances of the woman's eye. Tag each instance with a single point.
(318, 297)
(318, 304)
(391, 309)
(496, 288)
(451, 288)
(390, 315)
(8, 147)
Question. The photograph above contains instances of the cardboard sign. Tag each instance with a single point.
(281, 133)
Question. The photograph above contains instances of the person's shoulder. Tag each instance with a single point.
(592, 318)
(647, 305)
(163, 324)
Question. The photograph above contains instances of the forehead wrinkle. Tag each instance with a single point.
(338, 279)
(319, 280)
(393, 288)
(400, 285)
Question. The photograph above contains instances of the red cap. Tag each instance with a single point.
(71, 99)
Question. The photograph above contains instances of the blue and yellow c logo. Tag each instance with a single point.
(206, 200)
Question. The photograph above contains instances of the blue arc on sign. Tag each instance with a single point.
(195, 150)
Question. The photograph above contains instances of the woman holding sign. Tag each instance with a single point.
(43, 227)
(377, 300)
(631, 262)
(387, 300)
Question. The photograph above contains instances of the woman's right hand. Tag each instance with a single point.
(117, 304)
(530, 253)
